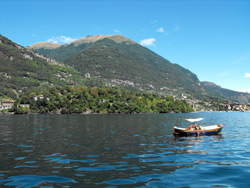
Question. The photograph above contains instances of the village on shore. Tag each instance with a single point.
(197, 105)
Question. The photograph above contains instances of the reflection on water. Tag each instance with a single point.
(122, 150)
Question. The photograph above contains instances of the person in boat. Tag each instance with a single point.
(194, 126)
(200, 127)
(190, 126)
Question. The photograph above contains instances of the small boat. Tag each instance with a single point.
(208, 130)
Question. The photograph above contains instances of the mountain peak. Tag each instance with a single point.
(89, 39)
(120, 39)
(45, 45)
(84, 40)
(94, 38)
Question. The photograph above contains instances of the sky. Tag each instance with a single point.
(211, 38)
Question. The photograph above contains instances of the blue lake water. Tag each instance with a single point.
(122, 151)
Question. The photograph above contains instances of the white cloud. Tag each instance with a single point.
(148, 42)
(160, 30)
(244, 90)
(177, 27)
(117, 31)
(247, 75)
(61, 39)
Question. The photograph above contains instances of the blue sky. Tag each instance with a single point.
(209, 37)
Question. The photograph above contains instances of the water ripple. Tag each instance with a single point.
(123, 151)
(27, 181)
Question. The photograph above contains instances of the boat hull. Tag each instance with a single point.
(209, 130)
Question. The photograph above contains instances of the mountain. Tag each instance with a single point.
(22, 69)
(45, 45)
(92, 60)
(61, 52)
(217, 91)
(120, 61)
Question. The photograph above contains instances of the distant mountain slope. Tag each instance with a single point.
(120, 61)
(217, 91)
(61, 52)
(22, 69)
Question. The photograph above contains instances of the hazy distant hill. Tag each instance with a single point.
(22, 69)
(120, 61)
(217, 91)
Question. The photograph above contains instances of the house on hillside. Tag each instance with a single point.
(25, 105)
(237, 107)
(6, 105)
(103, 100)
(228, 106)
(35, 98)
(38, 97)
(183, 97)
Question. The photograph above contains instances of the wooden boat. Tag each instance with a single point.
(208, 130)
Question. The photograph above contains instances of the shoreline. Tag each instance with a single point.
(106, 113)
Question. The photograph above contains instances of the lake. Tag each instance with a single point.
(123, 151)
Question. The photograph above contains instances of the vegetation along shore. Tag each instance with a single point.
(69, 100)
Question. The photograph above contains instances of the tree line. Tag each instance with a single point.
(69, 100)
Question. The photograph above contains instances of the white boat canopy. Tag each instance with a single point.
(194, 120)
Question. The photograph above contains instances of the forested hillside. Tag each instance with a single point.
(217, 91)
(68, 100)
(22, 69)
(120, 61)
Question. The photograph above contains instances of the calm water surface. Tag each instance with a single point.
(122, 151)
